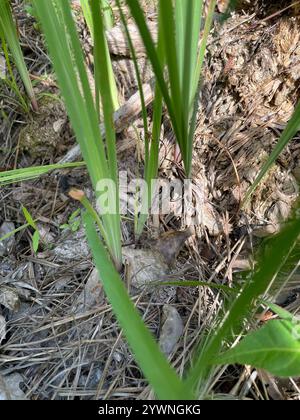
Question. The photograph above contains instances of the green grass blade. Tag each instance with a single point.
(105, 9)
(152, 54)
(168, 30)
(192, 14)
(160, 375)
(188, 52)
(192, 127)
(180, 40)
(139, 218)
(152, 146)
(193, 39)
(195, 88)
(290, 130)
(151, 169)
(180, 21)
(151, 166)
(109, 168)
(108, 22)
(108, 17)
(24, 174)
(139, 80)
(36, 240)
(201, 53)
(104, 63)
(8, 30)
(86, 10)
(12, 83)
(13, 232)
(188, 21)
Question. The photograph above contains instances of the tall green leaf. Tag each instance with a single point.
(180, 25)
(108, 16)
(103, 7)
(151, 143)
(68, 61)
(152, 54)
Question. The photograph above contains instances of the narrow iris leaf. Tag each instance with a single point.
(68, 61)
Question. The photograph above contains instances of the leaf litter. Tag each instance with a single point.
(63, 336)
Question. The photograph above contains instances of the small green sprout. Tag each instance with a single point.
(36, 236)
(74, 221)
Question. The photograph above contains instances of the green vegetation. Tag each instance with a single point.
(8, 34)
(177, 59)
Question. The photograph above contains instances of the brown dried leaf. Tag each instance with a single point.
(170, 243)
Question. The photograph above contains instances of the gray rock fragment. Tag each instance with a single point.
(171, 331)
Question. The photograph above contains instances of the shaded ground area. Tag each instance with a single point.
(58, 335)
